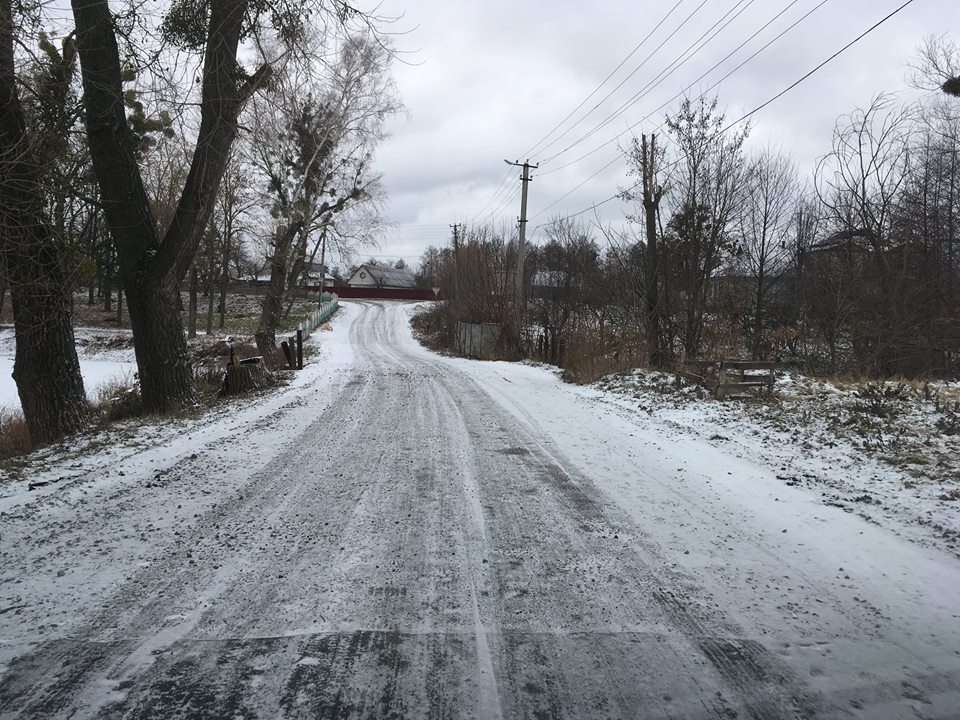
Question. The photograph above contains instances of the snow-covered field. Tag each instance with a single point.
(399, 534)
(102, 362)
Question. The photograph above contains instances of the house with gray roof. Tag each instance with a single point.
(381, 276)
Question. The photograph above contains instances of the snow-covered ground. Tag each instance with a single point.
(399, 534)
(105, 357)
(887, 452)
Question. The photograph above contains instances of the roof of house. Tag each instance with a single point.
(387, 276)
(856, 239)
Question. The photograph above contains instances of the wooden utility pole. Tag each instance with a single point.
(521, 251)
(456, 259)
(323, 266)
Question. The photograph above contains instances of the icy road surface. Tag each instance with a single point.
(403, 535)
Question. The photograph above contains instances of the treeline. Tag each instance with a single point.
(731, 253)
(142, 156)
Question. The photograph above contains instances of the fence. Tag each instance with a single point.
(375, 293)
(318, 317)
(478, 340)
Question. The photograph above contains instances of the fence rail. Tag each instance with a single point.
(319, 316)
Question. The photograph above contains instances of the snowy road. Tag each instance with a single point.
(404, 535)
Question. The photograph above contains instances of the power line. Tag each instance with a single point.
(498, 207)
(691, 51)
(505, 203)
(632, 126)
(630, 75)
(604, 81)
(503, 185)
(773, 99)
(821, 65)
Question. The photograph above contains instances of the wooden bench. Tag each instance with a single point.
(740, 376)
(730, 378)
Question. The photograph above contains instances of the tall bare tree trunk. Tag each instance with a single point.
(46, 369)
(224, 278)
(210, 288)
(152, 267)
(651, 206)
(271, 312)
(192, 307)
(3, 285)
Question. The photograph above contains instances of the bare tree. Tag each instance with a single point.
(153, 264)
(46, 368)
(765, 224)
(314, 142)
(937, 65)
(704, 191)
(644, 159)
(860, 184)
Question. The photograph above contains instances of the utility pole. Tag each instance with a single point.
(521, 250)
(456, 258)
(323, 266)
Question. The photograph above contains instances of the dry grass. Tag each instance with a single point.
(118, 399)
(14, 434)
(431, 327)
(589, 356)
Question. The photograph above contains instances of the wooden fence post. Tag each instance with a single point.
(299, 349)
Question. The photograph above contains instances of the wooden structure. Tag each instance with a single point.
(734, 378)
(244, 376)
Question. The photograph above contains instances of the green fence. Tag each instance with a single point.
(318, 317)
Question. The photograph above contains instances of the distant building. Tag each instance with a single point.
(381, 276)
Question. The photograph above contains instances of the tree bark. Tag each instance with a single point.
(192, 308)
(210, 288)
(46, 368)
(151, 267)
(224, 279)
(271, 312)
(3, 285)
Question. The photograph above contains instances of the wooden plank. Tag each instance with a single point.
(750, 385)
(750, 364)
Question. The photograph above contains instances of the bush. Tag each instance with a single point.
(14, 434)
(119, 398)
(432, 327)
(880, 400)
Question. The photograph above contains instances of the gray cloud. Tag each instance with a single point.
(491, 78)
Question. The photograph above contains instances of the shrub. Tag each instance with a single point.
(14, 434)
(119, 398)
(879, 399)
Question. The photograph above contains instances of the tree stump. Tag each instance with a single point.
(249, 374)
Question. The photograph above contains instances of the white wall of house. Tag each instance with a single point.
(361, 278)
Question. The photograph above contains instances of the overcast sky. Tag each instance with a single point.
(487, 80)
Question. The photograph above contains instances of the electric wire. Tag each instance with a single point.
(746, 116)
(630, 75)
(691, 51)
(613, 72)
(653, 112)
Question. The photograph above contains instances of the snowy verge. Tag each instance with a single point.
(143, 447)
(886, 453)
